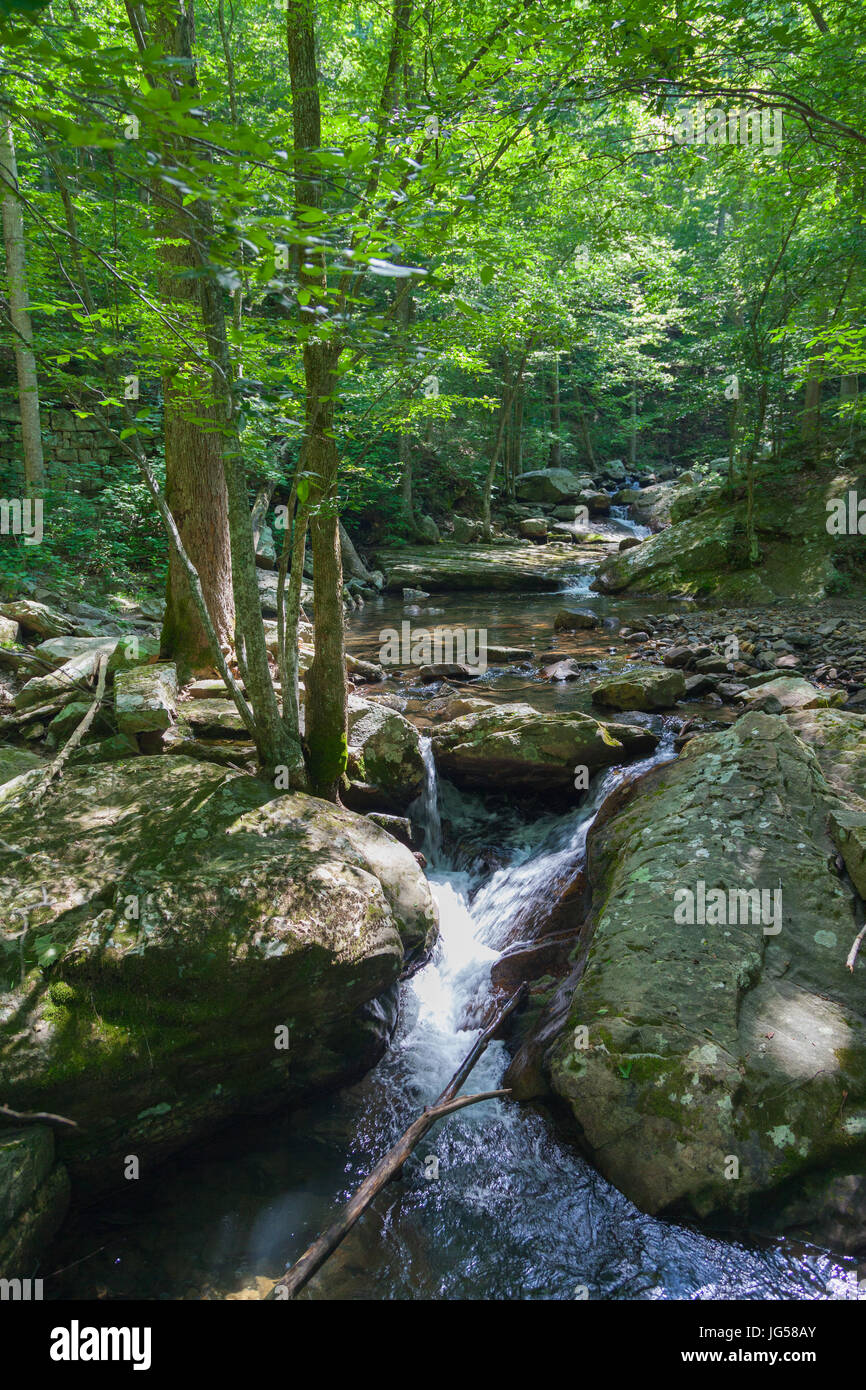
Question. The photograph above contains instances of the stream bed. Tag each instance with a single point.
(495, 1203)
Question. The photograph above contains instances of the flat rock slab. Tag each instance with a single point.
(499, 567)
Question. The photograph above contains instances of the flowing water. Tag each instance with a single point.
(495, 1204)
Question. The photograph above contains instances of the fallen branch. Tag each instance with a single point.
(78, 733)
(36, 1117)
(852, 954)
(389, 1166)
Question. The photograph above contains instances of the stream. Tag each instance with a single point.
(514, 1211)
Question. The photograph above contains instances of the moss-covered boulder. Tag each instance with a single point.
(385, 753)
(706, 552)
(712, 1050)
(514, 749)
(641, 688)
(197, 946)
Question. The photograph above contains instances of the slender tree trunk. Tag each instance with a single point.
(19, 312)
(632, 443)
(811, 421)
(555, 416)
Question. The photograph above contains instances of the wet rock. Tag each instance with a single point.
(567, 670)
(629, 542)
(507, 656)
(575, 619)
(533, 528)
(513, 748)
(641, 688)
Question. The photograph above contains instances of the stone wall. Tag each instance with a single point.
(76, 451)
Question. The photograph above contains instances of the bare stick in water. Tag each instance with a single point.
(389, 1166)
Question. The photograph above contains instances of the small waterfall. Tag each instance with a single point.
(426, 809)
(621, 515)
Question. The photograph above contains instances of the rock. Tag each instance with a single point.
(134, 650)
(615, 470)
(567, 670)
(520, 568)
(34, 1195)
(642, 688)
(145, 699)
(548, 485)
(67, 720)
(698, 685)
(709, 1042)
(367, 671)
(257, 913)
(68, 682)
(15, 761)
(791, 692)
(507, 656)
(57, 651)
(680, 656)
(266, 549)
(37, 617)
(629, 542)
(514, 747)
(414, 595)
(388, 752)
(596, 500)
(398, 826)
(705, 552)
(9, 631)
(533, 528)
(446, 670)
(106, 750)
(575, 619)
(465, 531)
(713, 664)
(848, 831)
(427, 530)
(212, 717)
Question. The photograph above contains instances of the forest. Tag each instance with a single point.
(432, 652)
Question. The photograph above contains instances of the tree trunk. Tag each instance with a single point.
(555, 417)
(632, 443)
(19, 312)
(326, 706)
(195, 485)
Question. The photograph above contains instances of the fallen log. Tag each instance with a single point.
(391, 1164)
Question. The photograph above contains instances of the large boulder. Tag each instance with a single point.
(514, 747)
(705, 551)
(789, 693)
(712, 1050)
(145, 699)
(198, 946)
(385, 752)
(549, 485)
(641, 688)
